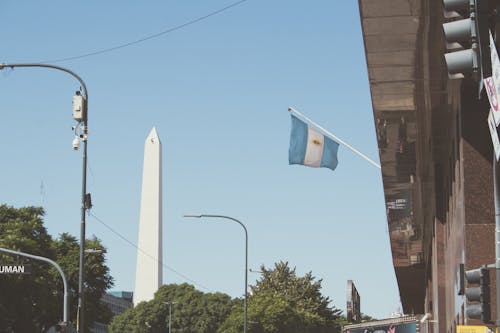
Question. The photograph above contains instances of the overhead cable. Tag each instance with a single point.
(143, 39)
(148, 255)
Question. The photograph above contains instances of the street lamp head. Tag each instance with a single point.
(93, 251)
(193, 215)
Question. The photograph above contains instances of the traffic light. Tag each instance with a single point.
(471, 35)
(479, 295)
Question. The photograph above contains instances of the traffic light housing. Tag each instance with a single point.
(471, 36)
(478, 295)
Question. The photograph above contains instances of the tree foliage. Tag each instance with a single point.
(33, 303)
(193, 311)
(283, 302)
(365, 317)
(96, 274)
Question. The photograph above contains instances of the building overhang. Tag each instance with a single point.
(406, 83)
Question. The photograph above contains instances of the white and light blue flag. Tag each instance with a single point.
(310, 147)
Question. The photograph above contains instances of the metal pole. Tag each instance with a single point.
(81, 294)
(496, 190)
(246, 261)
(65, 284)
(80, 317)
(246, 280)
(170, 303)
(169, 317)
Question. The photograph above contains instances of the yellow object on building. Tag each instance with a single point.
(472, 329)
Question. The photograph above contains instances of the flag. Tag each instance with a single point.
(310, 147)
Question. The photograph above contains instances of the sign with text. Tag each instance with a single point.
(494, 135)
(492, 84)
(392, 328)
(15, 269)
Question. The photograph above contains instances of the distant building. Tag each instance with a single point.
(118, 302)
(126, 295)
(99, 328)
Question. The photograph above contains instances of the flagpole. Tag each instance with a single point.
(333, 137)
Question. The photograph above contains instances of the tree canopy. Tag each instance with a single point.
(280, 302)
(192, 311)
(283, 302)
(33, 303)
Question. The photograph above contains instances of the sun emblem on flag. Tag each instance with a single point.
(316, 142)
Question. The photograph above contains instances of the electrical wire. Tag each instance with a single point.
(148, 255)
(141, 40)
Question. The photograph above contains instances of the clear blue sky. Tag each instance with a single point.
(218, 93)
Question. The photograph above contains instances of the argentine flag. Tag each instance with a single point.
(310, 147)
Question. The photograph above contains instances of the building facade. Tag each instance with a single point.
(436, 156)
(117, 302)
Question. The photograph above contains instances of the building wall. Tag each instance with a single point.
(118, 302)
(446, 176)
(463, 224)
(453, 248)
(463, 228)
(117, 305)
(478, 185)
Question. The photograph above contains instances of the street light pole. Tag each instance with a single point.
(57, 267)
(169, 315)
(246, 260)
(85, 198)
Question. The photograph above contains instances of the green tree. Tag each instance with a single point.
(365, 317)
(97, 277)
(283, 302)
(193, 311)
(24, 300)
(33, 303)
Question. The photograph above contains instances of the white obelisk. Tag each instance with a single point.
(148, 275)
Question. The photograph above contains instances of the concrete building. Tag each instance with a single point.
(118, 302)
(436, 156)
(148, 277)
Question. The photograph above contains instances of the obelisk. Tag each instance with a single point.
(148, 275)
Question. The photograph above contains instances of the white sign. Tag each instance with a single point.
(398, 204)
(15, 269)
(492, 84)
(494, 135)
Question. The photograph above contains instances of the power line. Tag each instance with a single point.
(148, 255)
(156, 35)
